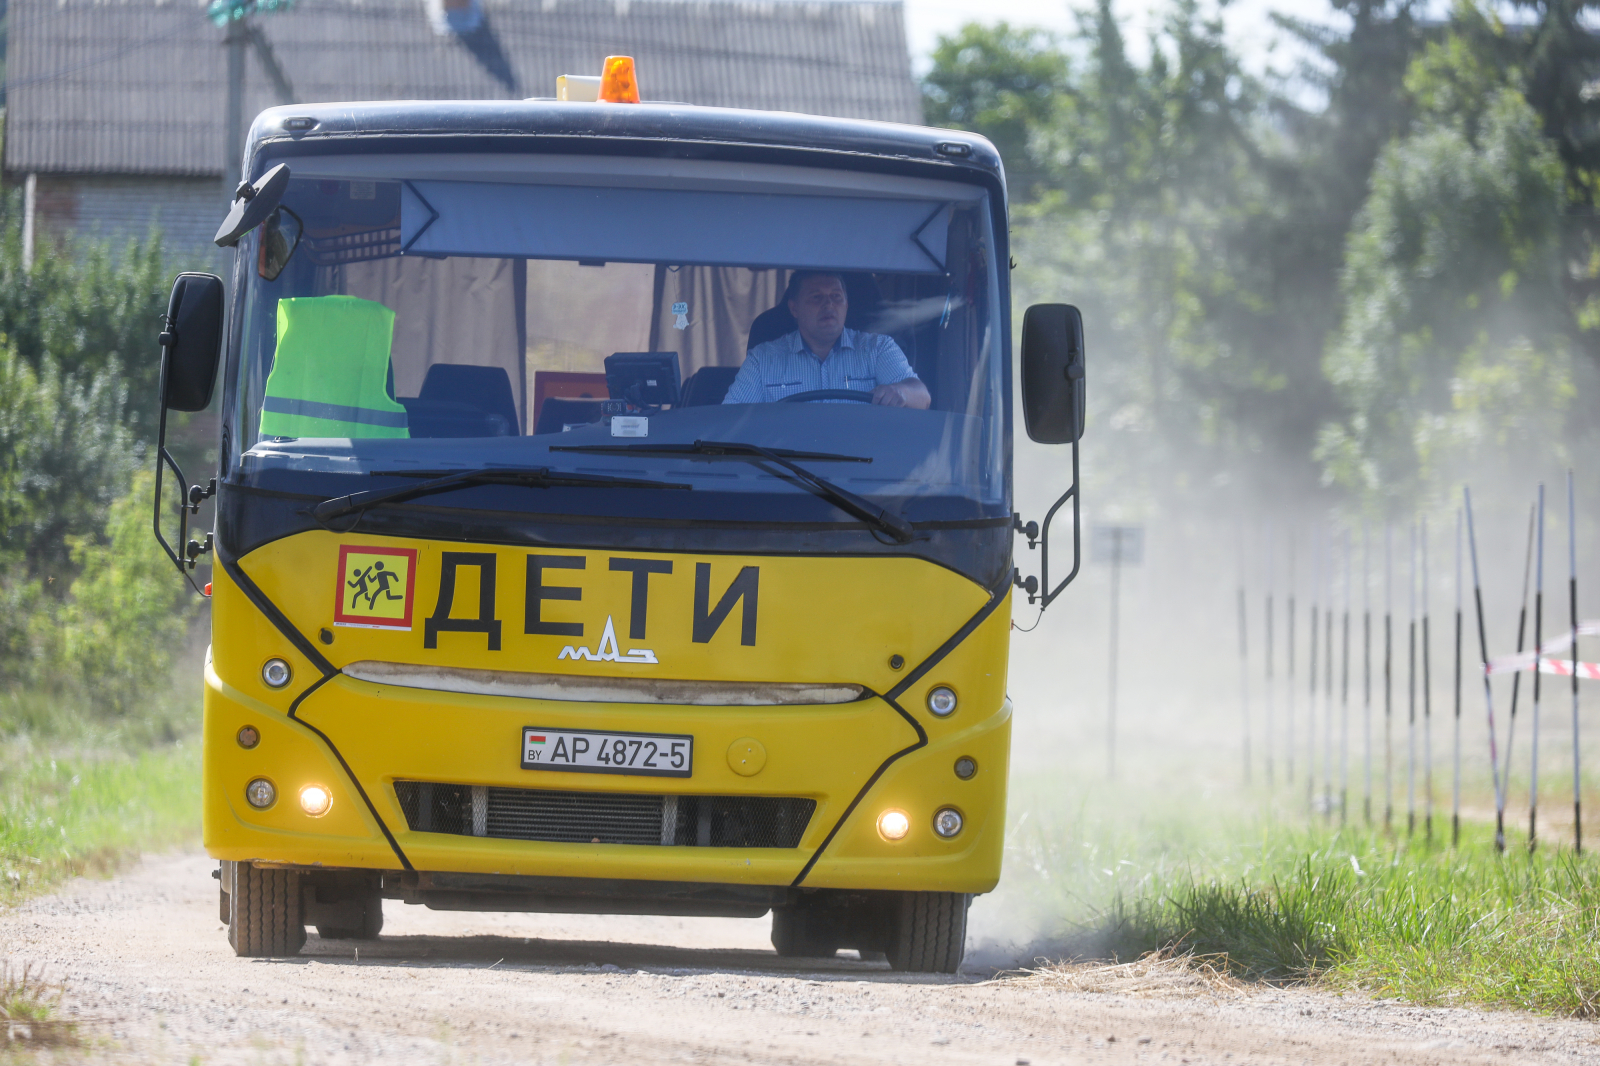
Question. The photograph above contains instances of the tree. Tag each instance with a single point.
(1000, 82)
(1456, 343)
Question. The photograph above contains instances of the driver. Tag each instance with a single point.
(824, 354)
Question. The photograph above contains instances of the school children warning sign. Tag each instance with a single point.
(376, 587)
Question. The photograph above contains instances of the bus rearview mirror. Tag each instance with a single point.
(192, 342)
(1053, 393)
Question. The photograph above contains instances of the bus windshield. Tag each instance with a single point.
(435, 314)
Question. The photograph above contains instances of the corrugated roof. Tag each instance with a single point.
(138, 86)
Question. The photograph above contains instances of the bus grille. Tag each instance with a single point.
(605, 817)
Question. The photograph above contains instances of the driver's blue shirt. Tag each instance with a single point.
(859, 362)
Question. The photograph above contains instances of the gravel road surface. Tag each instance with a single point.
(149, 974)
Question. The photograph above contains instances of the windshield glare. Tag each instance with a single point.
(433, 324)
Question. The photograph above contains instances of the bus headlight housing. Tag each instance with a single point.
(894, 825)
(261, 793)
(948, 822)
(315, 800)
(942, 701)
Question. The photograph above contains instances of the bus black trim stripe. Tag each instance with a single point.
(997, 596)
(279, 621)
(922, 742)
(294, 709)
(270, 610)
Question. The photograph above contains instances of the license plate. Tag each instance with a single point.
(600, 751)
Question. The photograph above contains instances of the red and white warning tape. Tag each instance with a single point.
(1547, 656)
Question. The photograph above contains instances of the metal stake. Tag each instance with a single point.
(1522, 628)
(1427, 694)
(1538, 651)
(1572, 599)
(1455, 786)
(1366, 664)
(1344, 696)
(1388, 676)
(1488, 689)
(1411, 688)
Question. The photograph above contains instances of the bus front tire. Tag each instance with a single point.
(263, 911)
(371, 922)
(802, 932)
(928, 933)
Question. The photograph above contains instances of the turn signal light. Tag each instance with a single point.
(618, 83)
(942, 701)
(276, 673)
(894, 825)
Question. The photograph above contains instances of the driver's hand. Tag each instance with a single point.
(908, 393)
(889, 396)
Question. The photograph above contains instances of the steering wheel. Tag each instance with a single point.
(828, 394)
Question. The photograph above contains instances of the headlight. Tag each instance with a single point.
(261, 793)
(942, 701)
(966, 766)
(276, 673)
(248, 736)
(947, 823)
(315, 800)
(894, 825)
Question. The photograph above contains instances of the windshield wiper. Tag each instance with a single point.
(879, 518)
(539, 477)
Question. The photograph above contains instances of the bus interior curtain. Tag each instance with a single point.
(718, 305)
(459, 310)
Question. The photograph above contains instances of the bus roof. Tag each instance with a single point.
(651, 129)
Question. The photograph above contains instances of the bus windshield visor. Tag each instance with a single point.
(436, 314)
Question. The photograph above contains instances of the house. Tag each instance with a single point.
(115, 110)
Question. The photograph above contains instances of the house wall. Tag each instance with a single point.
(186, 210)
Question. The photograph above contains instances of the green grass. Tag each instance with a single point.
(1282, 902)
(80, 794)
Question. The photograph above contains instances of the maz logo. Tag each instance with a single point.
(608, 652)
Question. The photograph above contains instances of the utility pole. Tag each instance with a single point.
(234, 40)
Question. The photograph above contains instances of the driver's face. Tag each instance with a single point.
(819, 309)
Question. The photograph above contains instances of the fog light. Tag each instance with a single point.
(315, 800)
(248, 736)
(894, 825)
(947, 823)
(942, 701)
(277, 673)
(261, 793)
(966, 766)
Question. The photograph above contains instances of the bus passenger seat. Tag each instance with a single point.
(707, 386)
(330, 372)
(558, 413)
(480, 393)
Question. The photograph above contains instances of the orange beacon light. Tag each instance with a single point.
(618, 84)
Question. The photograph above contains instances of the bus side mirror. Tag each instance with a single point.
(1052, 373)
(192, 342)
(1052, 409)
(191, 347)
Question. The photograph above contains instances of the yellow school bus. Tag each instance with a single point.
(612, 515)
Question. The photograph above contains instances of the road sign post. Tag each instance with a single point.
(1117, 546)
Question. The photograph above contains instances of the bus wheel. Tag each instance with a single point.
(371, 922)
(929, 932)
(264, 911)
(801, 932)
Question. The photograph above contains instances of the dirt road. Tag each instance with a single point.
(149, 971)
